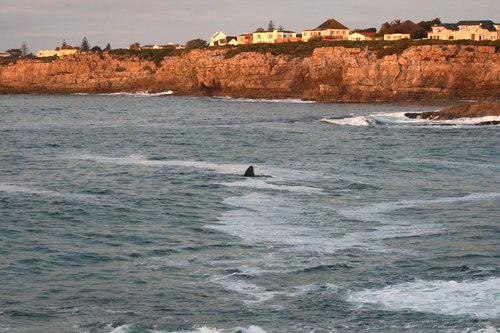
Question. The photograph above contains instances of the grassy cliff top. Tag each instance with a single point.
(295, 50)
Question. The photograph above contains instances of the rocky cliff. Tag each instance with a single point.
(330, 74)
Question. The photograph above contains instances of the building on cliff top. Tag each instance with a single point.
(362, 36)
(273, 36)
(466, 30)
(405, 30)
(65, 50)
(221, 39)
(246, 38)
(330, 29)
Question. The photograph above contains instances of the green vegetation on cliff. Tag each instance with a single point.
(153, 55)
(382, 48)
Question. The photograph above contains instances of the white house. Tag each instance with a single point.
(218, 38)
(66, 50)
(362, 36)
(274, 36)
(470, 30)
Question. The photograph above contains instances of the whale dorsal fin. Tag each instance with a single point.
(250, 172)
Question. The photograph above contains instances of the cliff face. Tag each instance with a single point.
(329, 74)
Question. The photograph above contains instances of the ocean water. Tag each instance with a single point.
(127, 215)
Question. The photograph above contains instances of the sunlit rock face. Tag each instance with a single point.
(330, 74)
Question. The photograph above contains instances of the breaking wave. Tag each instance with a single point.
(480, 299)
(399, 119)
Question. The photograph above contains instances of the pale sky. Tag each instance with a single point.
(43, 24)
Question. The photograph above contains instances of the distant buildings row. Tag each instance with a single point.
(67, 50)
(138, 47)
(331, 29)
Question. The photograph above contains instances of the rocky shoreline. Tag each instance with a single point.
(328, 74)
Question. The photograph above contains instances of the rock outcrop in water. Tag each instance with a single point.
(476, 110)
(330, 74)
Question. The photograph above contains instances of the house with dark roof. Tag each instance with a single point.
(468, 30)
(331, 29)
(405, 30)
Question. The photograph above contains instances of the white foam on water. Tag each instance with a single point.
(488, 329)
(445, 163)
(277, 174)
(399, 118)
(259, 183)
(203, 329)
(256, 294)
(479, 299)
(250, 100)
(140, 94)
(23, 190)
(350, 121)
(373, 212)
(271, 219)
(265, 220)
(141, 160)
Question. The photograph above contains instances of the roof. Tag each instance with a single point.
(218, 33)
(228, 38)
(406, 27)
(68, 47)
(331, 24)
(485, 24)
(475, 22)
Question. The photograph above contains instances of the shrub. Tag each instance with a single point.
(152, 55)
(197, 44)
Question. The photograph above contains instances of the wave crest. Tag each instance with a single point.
(399, 119)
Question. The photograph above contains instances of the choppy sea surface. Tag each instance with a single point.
(129, 214)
